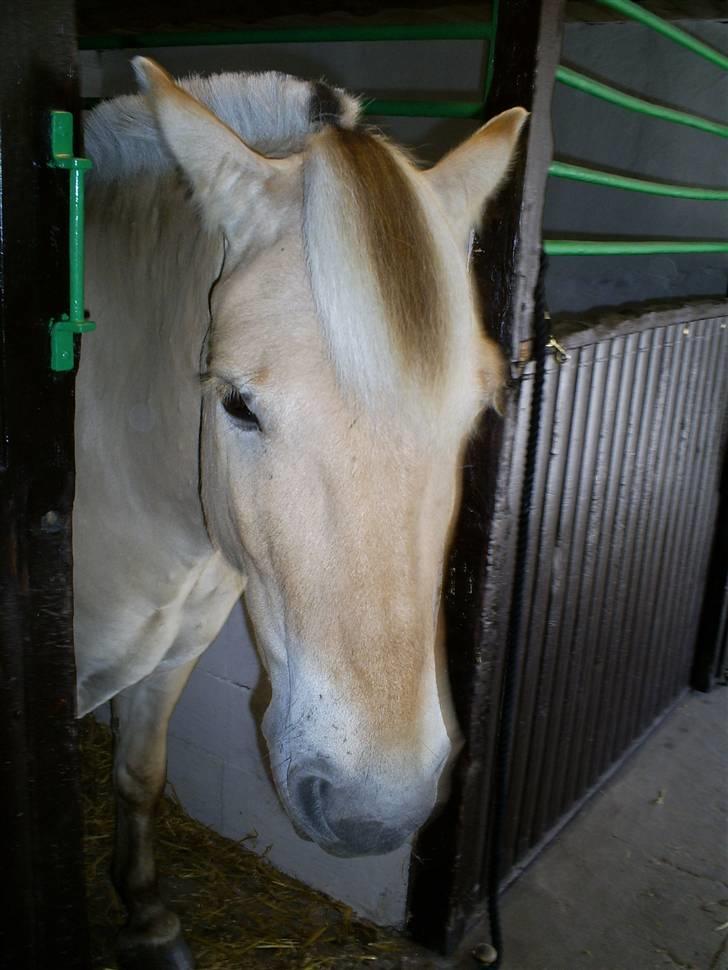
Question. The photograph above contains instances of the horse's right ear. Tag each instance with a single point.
(470, 174)
(229, 179)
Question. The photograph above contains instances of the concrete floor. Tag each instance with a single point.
(639, 880)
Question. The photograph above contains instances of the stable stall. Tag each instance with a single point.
(581, 570)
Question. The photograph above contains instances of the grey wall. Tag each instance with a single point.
(418, 69)
(216, 761)
(586, 129)
(601, 135)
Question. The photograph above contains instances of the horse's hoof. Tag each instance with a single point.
(174, 954)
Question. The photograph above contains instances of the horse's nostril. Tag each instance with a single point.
(311, 792)
(311, 795)
(335, 826)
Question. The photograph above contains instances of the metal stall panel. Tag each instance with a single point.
(626, 498)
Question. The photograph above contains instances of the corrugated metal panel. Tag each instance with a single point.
(632, 431)
(625, 502)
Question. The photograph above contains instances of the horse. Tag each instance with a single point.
(287, 368)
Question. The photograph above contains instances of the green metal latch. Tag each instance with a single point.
(64, 327)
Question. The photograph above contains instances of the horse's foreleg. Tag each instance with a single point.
(152, 937)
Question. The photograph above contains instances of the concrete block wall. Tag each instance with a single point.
(217, 763)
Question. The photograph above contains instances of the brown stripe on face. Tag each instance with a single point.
(399, 245)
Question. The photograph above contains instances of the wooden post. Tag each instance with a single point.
(446, 884)
(42, 919)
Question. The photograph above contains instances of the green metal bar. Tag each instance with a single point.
(64, 327)
(635, 12)
(76, 242)
(289, 35)
(403, 107)
(580, 174)
(589, 86)
(490, 67)
(627, 247)
(424, 109)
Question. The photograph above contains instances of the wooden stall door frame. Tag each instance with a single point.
(445, 877)
(42, 921)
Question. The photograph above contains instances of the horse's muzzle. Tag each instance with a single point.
(345, 820)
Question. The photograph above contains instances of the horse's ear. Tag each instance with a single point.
(227, 176)
(466, 177)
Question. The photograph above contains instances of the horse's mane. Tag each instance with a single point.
(376, 272)
(273, 113)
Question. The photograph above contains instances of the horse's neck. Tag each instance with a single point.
(151, 265)
(150, 268)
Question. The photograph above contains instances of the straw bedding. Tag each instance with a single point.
(238, 911)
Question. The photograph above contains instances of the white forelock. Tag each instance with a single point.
(273, 113)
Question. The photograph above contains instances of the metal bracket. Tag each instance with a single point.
(525, 351)
(64, 327)
(560, 353)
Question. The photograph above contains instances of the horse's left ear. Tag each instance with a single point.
(229, 178)
(466, 177)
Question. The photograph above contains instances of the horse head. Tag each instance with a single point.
(345, 369)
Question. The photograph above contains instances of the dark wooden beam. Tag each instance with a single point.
(100, 17)
(42, 919)
(446, 887)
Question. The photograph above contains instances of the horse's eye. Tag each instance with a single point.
(237, 407)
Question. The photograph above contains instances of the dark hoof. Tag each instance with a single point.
(172, 955)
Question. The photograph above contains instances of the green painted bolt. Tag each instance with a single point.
(64, 327)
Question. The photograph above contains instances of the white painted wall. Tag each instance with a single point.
(216, 759)
(218, 766)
